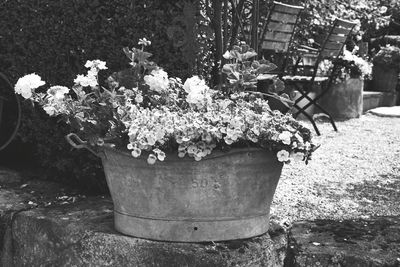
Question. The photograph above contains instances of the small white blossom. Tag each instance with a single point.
(151, 159)
(227, 55)
(50, 110)
(98, 64)
(307, 145)
(144, 42)
(57, 92)
(136, 152)
(160, 154)
(139, 98)
(285, 137)
(283, 155)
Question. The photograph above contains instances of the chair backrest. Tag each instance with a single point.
(336, 39)
(331, 48)
(276, 34)
(278, 28)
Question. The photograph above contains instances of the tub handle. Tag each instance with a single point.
(76, 142)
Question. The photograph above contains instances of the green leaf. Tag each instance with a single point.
(229, 68)
(265, 68)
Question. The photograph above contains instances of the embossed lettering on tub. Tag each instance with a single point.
(206, 183)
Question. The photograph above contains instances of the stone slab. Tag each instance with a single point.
(10, 203)
(374, 99)
(353, 243)
(17, 193)
(82, 234)
(386, 111)
(371, 100)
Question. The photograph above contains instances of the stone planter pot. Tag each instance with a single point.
(344, 100)
(222, 197)
(384, 79)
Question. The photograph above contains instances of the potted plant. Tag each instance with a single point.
(344, 100)
(183, 162)
(385, 72)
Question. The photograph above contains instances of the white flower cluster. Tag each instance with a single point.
(198, 93)
(55, 100)
(364, 66)
(157, 80)
(324, 67)
(292, 138)
(27, 84)
(198, 133)
(90, 79)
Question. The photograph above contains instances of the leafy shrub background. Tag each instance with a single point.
(376, 18)
(54, 38)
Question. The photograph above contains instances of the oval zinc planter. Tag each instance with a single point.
(225, 196)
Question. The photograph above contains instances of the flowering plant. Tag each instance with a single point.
(345, 67)
(242, 73)
(144, 111)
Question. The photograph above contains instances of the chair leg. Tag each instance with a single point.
(329, 116)
(305, 96)
(314, 102)
(323, 92)
(303, 109)
(308, 116)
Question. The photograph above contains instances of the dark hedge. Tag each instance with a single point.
(54, 38)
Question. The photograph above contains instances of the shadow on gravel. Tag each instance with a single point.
(385, 188)
(378, 197)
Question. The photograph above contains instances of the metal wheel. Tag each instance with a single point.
(10, 112)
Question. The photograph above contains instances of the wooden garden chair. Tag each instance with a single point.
(271, 34)
(274, 41)
(276, 35)
(308, 63)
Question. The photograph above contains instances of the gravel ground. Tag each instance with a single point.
(354, 174)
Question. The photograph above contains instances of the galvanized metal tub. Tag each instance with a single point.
(222, 197)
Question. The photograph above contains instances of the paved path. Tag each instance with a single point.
(386, 111)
